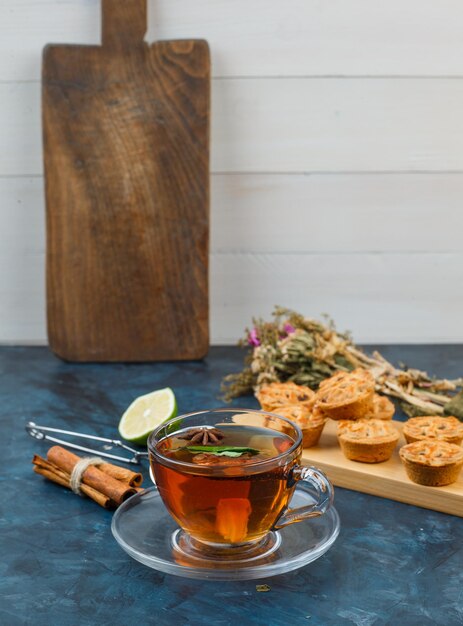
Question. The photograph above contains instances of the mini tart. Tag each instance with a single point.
(333, 380)
(382, 408)
(347, 395)
(432, 462)
(448, 429)
(272, 397)
(359, 374)
(367, 440)
(311, 423)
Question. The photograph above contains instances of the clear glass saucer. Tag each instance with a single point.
(144, 529)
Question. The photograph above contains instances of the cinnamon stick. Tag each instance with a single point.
(93, 477)
(134, 479)
(55, 474)
(38, 460)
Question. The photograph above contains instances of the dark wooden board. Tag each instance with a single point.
(126, 151)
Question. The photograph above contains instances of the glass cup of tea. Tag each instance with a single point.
(227, 477)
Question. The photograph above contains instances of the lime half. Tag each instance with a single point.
(147, 413)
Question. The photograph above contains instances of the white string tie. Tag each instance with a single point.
(78, 472)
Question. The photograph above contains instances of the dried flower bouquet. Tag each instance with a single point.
(306, 351)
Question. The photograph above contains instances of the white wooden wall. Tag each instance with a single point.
(337, 159)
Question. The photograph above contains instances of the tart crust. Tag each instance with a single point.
(448, 429)
(367, 440)
(432, 462)
(272, 397)
(310, 422)
(382, 408)
(346, 395)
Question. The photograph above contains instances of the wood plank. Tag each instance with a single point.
(390, 298)
(264, 213)
(22, 218)
(263, 37)
(22, 263)
(431, 314)
(326, 125)
(294, 125)
(26, 26)
(387, 480)
(20, 137)
(338, 213)
(22, 275)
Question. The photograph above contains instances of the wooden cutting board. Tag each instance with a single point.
(126, 151)
(387, 479)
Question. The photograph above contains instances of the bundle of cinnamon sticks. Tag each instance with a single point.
(107, 484)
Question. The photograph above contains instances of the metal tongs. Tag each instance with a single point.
(39, 432)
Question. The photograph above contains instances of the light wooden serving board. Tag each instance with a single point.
(387, 480)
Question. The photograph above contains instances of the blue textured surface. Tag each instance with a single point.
(392, 563)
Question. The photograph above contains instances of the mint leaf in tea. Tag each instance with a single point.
(223, 450)
(222, 491)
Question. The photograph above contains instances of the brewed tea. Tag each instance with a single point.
(245, 493)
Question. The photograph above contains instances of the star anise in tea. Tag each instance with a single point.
(203, 436)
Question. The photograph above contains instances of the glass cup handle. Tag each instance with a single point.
(323, 488)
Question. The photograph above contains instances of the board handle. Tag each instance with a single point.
(123, 22)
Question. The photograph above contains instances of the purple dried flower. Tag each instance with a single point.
(253, 339)
(289, 329)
